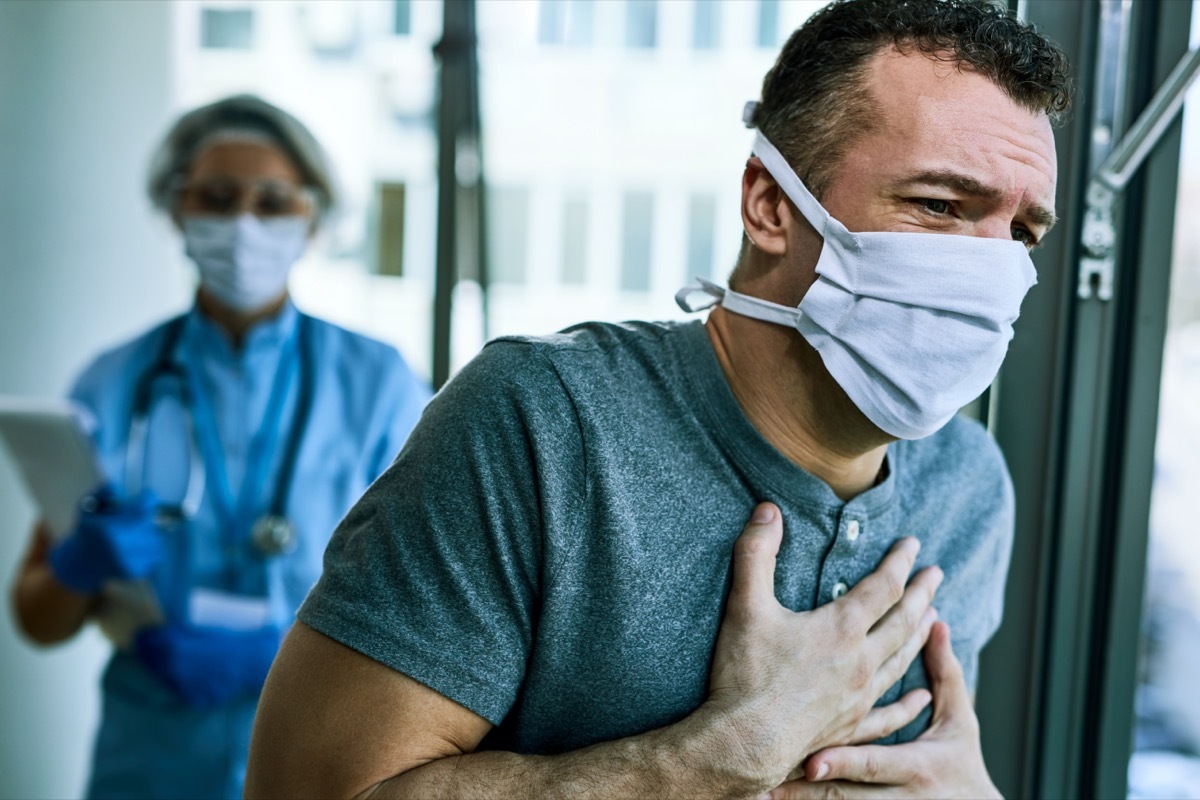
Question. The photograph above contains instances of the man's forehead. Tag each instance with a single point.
(934, 108)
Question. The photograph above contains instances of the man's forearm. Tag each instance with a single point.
(677, 760)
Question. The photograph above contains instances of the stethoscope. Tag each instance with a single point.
(272, 534)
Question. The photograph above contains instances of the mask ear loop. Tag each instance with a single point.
(791, 184)
(715, 293)
(738, 303)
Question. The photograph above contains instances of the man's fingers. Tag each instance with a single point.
(754, 555)
(886, 720)
(950, 695)
(894, 666)
(883, 588)
(904, 617)
(893, 765)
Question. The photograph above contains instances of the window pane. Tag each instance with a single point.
(575, 239)
(612, 150)
(580, 22)
(402, 21)
(227, 29)
(637, 225)
(390, 255)
(641, 23)
(768, 23)
(552, 21)
(706, 19)
(702, 220)
(508, 233)
(1166, 759)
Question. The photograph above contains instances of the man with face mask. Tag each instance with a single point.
(233, 437)
(554, 592)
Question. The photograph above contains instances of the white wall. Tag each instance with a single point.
(85, 91)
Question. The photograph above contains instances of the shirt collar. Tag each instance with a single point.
(265, 336)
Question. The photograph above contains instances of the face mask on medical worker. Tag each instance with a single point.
(244, 261)
(244, 238)
(912, 326)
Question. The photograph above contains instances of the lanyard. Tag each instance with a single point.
(238, 513)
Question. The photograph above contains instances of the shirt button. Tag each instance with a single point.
(852, 530)
(839, 589)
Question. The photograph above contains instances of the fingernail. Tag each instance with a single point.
(764, 513)
(822, 771)
(926, 697)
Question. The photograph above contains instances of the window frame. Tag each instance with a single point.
(1075, 414)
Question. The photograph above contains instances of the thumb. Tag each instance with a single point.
(754, 555)
(946, 681)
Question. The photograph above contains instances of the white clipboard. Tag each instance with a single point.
(49, 443)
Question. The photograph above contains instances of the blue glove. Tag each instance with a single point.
(113, 539)
(208, 667)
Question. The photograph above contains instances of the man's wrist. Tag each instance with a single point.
(729, 750)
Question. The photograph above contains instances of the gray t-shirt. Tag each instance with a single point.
(551, 549)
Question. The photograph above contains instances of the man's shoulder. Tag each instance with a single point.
(591, 351)
(597, 337)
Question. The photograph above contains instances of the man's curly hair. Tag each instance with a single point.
(815, 102)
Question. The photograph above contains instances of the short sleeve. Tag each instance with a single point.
(436, 572)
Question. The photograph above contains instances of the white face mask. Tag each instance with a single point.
(912, 326)
(244, 261)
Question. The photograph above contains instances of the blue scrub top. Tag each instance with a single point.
(365, 401)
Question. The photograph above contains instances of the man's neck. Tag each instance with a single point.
(787, 394)
(236, 324)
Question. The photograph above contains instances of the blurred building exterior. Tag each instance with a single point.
(613, 147)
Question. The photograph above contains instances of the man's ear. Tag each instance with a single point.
(765, 215)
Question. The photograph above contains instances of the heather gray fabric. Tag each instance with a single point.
(552, 547)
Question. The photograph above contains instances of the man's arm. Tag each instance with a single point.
(335, 723)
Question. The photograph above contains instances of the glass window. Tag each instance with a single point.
(1166, 758)
(641, 23)
(702, 221)
(637, 240)
(402, 17)
(508, 233)
(227, 28)
(706, 20)
(613, 150)
(575, 239)
(580, 22)
(565, 22)
(552, 21)
(768, 23)
(389, 258)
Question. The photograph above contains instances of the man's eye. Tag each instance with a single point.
(1025, 237)
(933, 206)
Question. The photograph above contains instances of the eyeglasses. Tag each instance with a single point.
(262, 198)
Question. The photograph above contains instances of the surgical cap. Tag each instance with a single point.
(240, 114)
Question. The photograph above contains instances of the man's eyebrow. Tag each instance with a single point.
(1038, 215)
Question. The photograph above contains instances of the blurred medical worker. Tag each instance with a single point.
(234, 437)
